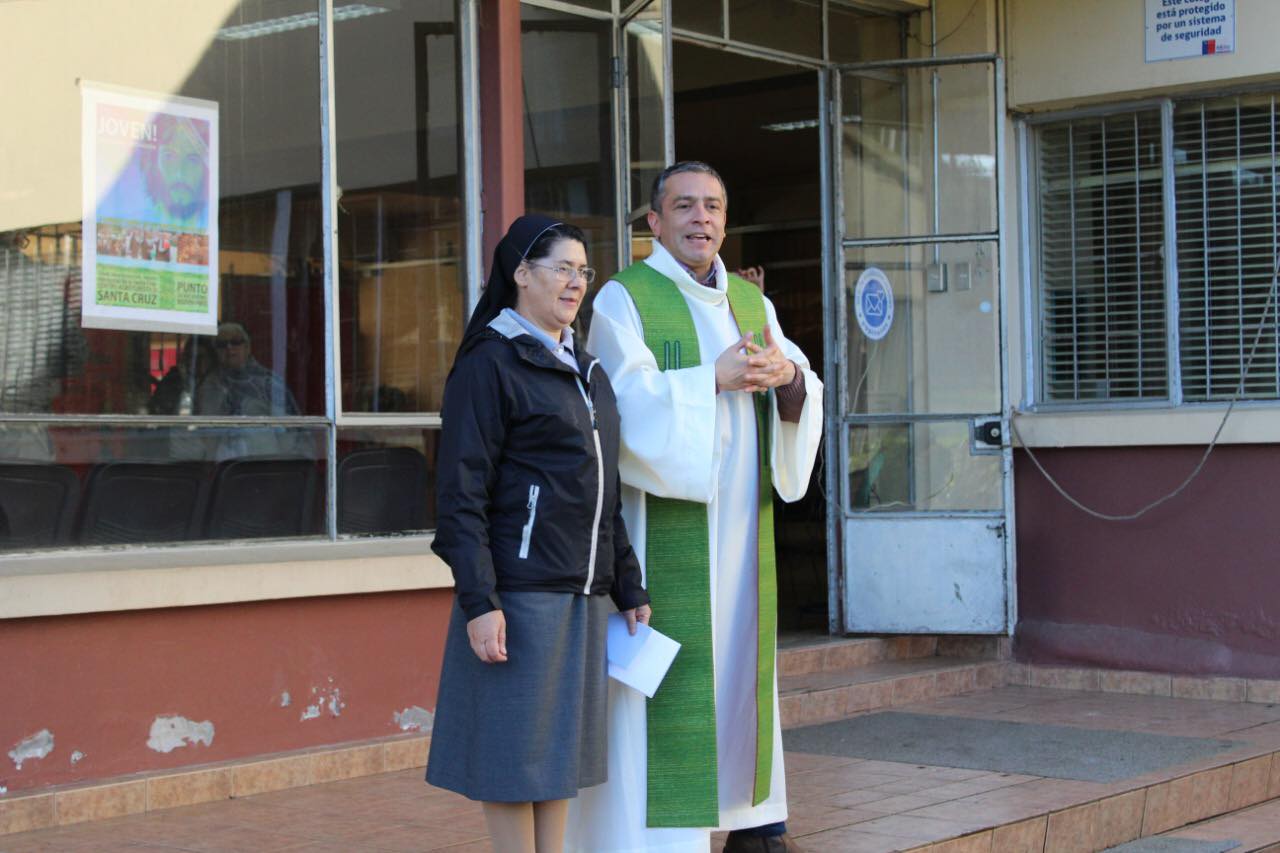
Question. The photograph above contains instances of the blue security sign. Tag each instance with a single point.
(873, 303)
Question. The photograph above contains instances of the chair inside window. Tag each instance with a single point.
(131, 502)
(382, 490)
(37, 505)
(261, 498)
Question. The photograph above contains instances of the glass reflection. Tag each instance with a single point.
(699, 16)
(856, 34)
(62, 486)
(400, 238)
(265, 83)
(568, 144)
(646, 113)
(919, 151)
(940, 352)
(386, 480)
(794, 26)
(920, 467)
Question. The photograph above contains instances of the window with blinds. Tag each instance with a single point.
(1225, 190)
(1103, 318)
(1102, 296)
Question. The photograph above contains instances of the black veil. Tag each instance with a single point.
(500, 291)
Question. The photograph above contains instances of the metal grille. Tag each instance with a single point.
(1225, 184)
(1102, 297)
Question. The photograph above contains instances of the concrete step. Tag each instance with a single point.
(1255, 829)
(834, 694)
(801, 654)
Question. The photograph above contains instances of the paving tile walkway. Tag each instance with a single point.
(838, 804)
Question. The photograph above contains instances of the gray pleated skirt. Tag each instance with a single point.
(533, 728)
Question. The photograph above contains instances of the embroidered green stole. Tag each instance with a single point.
(681, 717)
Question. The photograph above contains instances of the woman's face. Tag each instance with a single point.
(550, 290)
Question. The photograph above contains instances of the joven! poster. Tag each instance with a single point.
(150, 195)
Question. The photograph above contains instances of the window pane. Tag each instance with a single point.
(568, 142)
(699, 16)
(921, 467)
(386, 480)
(400, 235)
(856, 35)
(794, 26)
(1225, 180)
(906, 174)
(938, 350)
(264, 78)
(646, 111)
(597, 5)
(62, 485)
(1101, 233)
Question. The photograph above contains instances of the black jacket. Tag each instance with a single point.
(525, 493)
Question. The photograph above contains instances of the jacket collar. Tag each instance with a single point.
(534, 351)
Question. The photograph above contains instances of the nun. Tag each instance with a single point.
(530, 524)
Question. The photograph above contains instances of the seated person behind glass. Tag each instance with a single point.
(239, 385)
(175, 392)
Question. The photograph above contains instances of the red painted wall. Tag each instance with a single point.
(97, 682)
(1193, 587)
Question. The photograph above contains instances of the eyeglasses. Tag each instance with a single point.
(223, 343)
(567, 273)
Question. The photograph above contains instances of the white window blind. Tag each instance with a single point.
(1225, 185)
(1101, 274)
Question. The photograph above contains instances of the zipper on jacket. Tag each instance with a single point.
(595, 434)
(526, 533)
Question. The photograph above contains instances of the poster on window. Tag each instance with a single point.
(150, 195)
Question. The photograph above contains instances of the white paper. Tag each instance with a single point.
(640, 661)
(149, 165)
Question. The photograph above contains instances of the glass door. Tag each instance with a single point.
(645, 138)
(924, 475)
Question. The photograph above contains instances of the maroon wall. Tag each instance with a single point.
(97, 682)
(1193, 587)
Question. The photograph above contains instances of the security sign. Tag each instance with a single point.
(873, 303)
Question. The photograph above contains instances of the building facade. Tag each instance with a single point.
(1019, 241)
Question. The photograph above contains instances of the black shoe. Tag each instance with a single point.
(741, 842)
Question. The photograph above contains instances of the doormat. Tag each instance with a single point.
(1173, 845)
(1000, 746)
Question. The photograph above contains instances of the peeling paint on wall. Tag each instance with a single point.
(414, 719)
(3, 790)
(77, 757)
(169, 733)
(326, 697)
(285, 699)
(37, 745)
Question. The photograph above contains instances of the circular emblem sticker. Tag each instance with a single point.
(873, 303)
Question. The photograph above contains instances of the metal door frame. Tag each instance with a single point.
(836, 331)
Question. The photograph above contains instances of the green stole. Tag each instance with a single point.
(681, 717)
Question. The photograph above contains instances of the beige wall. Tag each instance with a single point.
(156, 46)
(40, 136)
(1063, 53)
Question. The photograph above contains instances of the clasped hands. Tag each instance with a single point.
(487, 633)
(747, 366)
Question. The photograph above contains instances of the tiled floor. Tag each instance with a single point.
(838, 805)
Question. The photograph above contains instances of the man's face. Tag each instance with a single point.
(233, 348)
(691, 223)
(181, 174)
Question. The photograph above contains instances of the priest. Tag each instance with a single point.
(719, 410)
